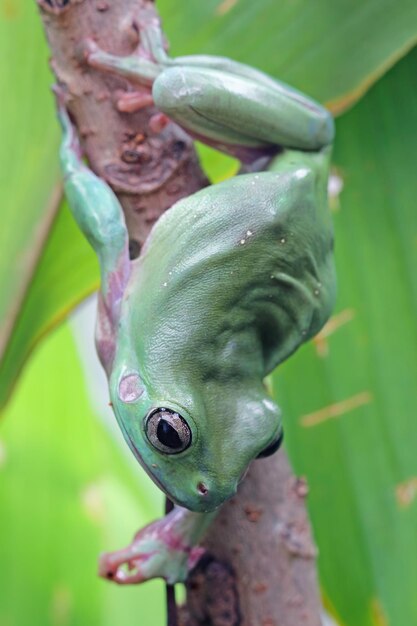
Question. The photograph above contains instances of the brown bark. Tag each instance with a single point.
(260, 565)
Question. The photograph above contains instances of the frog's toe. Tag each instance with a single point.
(121, 568)
(110, 563)
(195, 555)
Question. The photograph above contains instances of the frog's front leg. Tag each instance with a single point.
(164, 549)
(100, 217)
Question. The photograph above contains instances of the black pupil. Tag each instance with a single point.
(167, 435)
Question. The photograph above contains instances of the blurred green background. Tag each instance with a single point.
(68, 487)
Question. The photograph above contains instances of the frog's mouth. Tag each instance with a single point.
(198, 504)
(149, 472)
(142, 463)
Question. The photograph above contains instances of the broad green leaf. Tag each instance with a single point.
(67, 493)
(361, 463)
(28, 164)
(332, 49)
(67, 272)
(349, 398)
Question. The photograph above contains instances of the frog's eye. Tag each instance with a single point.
(167, 431)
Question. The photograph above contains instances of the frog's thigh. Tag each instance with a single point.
(223, 106)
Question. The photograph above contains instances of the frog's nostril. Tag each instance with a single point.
(201, 488)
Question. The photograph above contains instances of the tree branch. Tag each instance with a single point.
(260, 564)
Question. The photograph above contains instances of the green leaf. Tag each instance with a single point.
(28, 148)
(67, 272)
(358, 455)
(332, 49)
(67, 493)
(46, 266)
(349, 398)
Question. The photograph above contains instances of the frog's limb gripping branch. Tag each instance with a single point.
(166, 548)
(260, 565)
(150, 168)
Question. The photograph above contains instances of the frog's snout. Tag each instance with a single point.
(210, 496)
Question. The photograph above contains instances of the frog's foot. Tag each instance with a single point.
(141, 67)
(145, 63)
(132, 101)
(157, 551)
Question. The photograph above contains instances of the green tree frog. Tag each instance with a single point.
(230, 282)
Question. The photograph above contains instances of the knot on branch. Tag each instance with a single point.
(212, 597)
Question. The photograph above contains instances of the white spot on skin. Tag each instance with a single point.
(130, 388)
(316, 292)
(301, 173)
(283, 240)
(269, 405)
(249, 233)
(165, 285)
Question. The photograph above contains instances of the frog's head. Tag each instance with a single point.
(197, 447)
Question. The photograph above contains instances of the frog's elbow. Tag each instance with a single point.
(323, 129)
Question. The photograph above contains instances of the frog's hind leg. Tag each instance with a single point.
(227, 103)
(100, 217)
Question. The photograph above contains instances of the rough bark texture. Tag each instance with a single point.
(260, 563)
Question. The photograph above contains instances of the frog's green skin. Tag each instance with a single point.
(230, 282)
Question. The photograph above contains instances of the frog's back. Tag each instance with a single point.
(246, 262)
